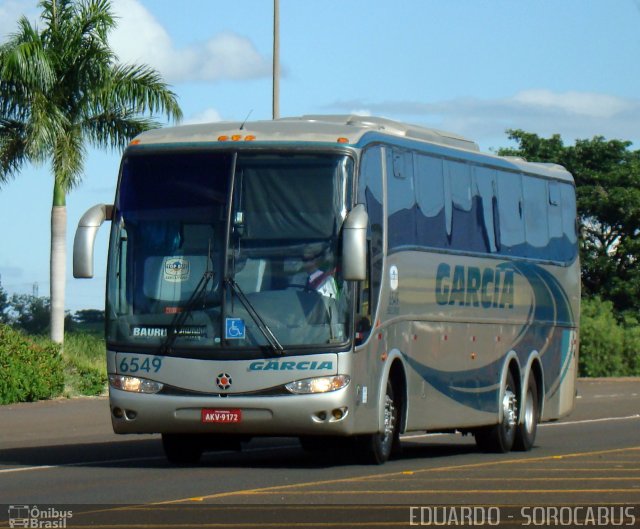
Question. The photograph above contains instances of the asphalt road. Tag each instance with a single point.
(63, 453)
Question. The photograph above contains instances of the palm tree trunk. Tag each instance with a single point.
(58, 265)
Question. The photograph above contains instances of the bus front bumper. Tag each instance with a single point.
(287, 415)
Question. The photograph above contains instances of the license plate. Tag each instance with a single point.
(221, 416)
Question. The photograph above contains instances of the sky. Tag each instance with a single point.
(473, 67)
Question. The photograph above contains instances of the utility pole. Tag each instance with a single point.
(276, 59)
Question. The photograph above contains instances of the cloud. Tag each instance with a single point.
(577, 103)
(571, 114)
(140, 38)
(208, 115)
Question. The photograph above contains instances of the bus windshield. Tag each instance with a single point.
(215, 251)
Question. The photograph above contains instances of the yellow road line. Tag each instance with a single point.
(283, 488)
(343, 492)
(503, 479)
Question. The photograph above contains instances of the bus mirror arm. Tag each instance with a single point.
(354, 244)
(85, 238)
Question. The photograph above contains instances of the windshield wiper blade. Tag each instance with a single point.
(180, 318)
(255, 316)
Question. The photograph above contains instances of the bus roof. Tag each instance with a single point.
(347, 129)
(311, 128)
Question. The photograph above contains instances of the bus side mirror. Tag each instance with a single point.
(354, 244)
(86, 237)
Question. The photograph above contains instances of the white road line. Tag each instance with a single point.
(130, 459)
(615, 395)
(79, 464)
(585, 421)
(566, 423)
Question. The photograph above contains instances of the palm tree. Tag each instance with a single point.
(61, 91)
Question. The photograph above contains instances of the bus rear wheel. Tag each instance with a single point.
(376, 448)
(528, 426)
(500, 438)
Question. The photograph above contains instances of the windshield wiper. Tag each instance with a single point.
(180, 318)
(255, 316)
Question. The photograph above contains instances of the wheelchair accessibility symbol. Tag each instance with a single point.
(234, 329)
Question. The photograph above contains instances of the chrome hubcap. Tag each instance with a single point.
(389, 417)
(510, 409)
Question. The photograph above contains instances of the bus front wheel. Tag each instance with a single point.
(376, 448)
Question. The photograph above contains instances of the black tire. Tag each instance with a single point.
(500, 438)
(530, 417)
(182, 449)
(376, 448)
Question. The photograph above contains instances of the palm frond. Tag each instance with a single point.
(64, 88)
(46, 122)
(143, 87)
(96, 19)
(12, 151)
(115, 128)
(23, 59)
(68, 158)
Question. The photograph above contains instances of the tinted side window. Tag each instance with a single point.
(510, 213)
(431, 215)
(454, 205)
(401, 204)
(467, 218)
(554, 209)
(535, 194)
(568, 197)
(486, 187)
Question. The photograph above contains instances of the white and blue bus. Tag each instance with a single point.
(342, 279)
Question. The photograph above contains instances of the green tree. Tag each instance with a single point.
(4, 306)
(31, 314)
(601, 340)
(89, 316)
(607, 175)
(61, 91)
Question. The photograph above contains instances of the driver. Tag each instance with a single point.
(314, 257)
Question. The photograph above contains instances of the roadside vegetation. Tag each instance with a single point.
(33, 367)
(28, 370)
(608, 347)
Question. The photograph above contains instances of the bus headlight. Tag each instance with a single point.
(134, 384)
(318, 384)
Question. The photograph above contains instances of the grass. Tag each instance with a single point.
(84, 356)
(85, 365)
